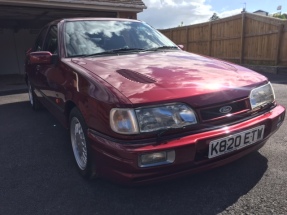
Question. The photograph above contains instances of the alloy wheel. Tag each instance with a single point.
(78, 143)
(30, 93)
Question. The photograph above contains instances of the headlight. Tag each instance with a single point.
(262, 96)
(123, 121)
(168, 116)
(132, 121)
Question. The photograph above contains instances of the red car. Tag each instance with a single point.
(139, 109)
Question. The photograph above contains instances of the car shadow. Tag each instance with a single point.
(38, 176)
(207, 193)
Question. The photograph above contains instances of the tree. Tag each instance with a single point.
(280, 16)
(181, 24)
(214, 17)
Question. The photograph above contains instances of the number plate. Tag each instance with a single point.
(235, 141)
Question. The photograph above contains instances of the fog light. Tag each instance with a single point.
(156, 158)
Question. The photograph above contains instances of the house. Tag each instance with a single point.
(20, 21)
(261, 12)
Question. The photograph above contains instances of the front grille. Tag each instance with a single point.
(213, 113)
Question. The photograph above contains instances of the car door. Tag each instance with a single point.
(54, 78)
(33, 70)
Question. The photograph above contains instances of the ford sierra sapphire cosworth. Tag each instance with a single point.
(138, 108)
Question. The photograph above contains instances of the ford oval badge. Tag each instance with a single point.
(225, 109)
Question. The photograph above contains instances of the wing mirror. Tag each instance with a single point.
(42, 57)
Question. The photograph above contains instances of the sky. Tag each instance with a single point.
(162, 14)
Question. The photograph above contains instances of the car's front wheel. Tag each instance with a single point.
(80, 144)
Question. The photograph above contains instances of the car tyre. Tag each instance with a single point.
(33, 98)
(80, 144)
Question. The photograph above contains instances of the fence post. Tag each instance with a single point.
(210, 38)
(279, 35)
(187, 39)
(242, 39)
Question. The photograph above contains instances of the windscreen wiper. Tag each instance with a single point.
(125, 50)
(112, 51)
(162, 48)
(128, 50)
(94, 54)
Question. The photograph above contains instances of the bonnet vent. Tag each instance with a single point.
(135, 76)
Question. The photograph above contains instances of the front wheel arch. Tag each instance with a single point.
(87, 170)
(69, 105)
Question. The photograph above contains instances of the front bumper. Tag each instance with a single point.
(119, 162)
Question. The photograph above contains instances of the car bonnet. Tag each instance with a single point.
(156, 77)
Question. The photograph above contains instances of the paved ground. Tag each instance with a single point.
(37, 174)
(11, 84)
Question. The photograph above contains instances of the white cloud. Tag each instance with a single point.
(163, 14)
(229, 13)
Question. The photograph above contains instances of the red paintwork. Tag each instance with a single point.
(178, 75)
(94, 87)
(40, 57)
(121, 159)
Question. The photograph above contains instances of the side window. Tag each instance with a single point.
(40, 40)
(51, 43)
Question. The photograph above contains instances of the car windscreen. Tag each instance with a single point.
(91, 37)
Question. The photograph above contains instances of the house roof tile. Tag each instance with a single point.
(132, 2)
(127, 3)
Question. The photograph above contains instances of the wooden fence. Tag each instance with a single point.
(244, 38)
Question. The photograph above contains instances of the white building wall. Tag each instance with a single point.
(261, 13)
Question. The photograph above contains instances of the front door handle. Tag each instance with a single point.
(38, 67)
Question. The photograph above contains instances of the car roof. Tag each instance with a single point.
(92, 19)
